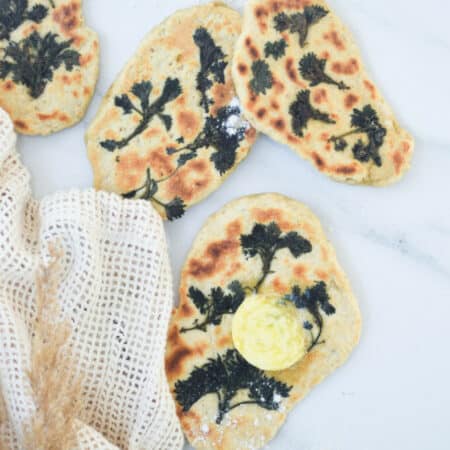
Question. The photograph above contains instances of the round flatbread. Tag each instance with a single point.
(49, 65)
(267, 244)
(170, 129)
(301, 81)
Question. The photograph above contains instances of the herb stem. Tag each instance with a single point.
(349, 133)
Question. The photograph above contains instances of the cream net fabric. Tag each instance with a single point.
(115, 287)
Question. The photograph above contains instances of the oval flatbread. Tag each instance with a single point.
(49, 65)
(171, 129)
(267, 244)
(301, 80)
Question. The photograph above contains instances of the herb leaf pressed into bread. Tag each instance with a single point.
(312, 69)
(300, 22)
(226, 376)
(212, 65)
(33, 60)
(314, 300)
(276, 49)
(302, 112)
(262, 77)
(14, 13)
(147, 110)
(221, 133)
(175, 209)
(215, 305)
(364, 121)
(266, 240)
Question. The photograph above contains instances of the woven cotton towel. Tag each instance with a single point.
(115, 289)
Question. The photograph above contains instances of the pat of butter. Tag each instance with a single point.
(267, 332)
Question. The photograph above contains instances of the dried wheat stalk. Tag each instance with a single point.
(56, 394)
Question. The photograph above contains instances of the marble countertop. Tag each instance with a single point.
(393, 242)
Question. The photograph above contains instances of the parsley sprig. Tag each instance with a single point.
(33, 60)
(265, 241)
(364, 121)
(175, 209)
(212, 65)
(262, 77)
(14, 13)
(226, 376)
(302, 112)
(147, 110)
(300, 22)
(314, 300)
(312, 69)
(218, 134)
(215, 305)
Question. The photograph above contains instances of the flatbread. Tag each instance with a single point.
(44, 98)
(301, 80)
(193, 135)
(221, 257)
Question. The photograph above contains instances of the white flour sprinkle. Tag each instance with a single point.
(205, 428)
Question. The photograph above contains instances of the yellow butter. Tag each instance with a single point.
(268, 333)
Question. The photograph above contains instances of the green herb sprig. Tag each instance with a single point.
(147, 110)
(262, 77)
(276, 49)
(364, 121)
(312, 69)
(300, 22)
(314, 300)
(226, 376)
(212, 65)
(14, 13)
(302, 112)
(215, 305)
(33, 60)
(218, 134)
(175, 209)
(265, 241)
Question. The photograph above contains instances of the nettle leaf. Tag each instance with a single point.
(364, 121)
(302, 112)
(14, 13)
(215, 305)
(314, 300)
(266, 240)
(212, 65)
(262, 77)
(32, 61)
(228, 376)
(312, 69)
(276, 49)
(300, 22)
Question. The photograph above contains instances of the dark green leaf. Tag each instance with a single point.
(262, 77)
(166, 120)
(124, 102)
(228, 376)
(185, 157)
(212, 65)
(33, 60)
(312, 69)
(175, 209)
(276, 49)
(302, 112)
(200, 300)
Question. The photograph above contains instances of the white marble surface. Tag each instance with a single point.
(394, 242)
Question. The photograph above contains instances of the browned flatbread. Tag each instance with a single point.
(301, 80)
(49, 64)
(221, 269)
(171, 129)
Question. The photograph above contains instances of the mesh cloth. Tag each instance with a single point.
(115, 287)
